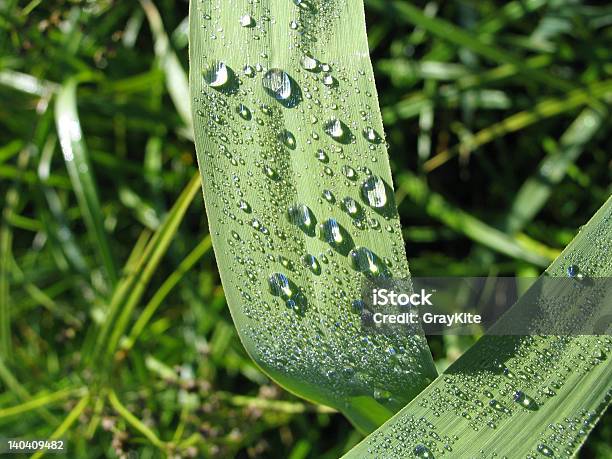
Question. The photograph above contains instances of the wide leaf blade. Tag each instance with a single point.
(478, 408)
(299, 197)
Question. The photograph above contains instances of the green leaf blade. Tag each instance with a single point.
(261, 155)
(471, 409)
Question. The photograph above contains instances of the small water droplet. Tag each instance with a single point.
(371, 135)
(364, 261)
(545, 450)
(329, 196)
(278, 84)
(334, 128)
(244, 206)
(309, 63)
(322, 156)
(524, 400)
(349, 172)
(279, 286)
(288, 139)
(244, 112)
(357, 306)
(422, 451)
(247, 20)
(248, 71)
(350, 206)
(374, 192)
(216, 75)
(293, 25)
(311, 263)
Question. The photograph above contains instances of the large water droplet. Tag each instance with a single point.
(334, 129)
(330, 230)
(278, 84)
(216, 75)
(279, 286)
(364, 261)
(374, 192)
(300, 216)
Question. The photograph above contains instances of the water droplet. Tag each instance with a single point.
(293, 25)
(244, 206)
(349, 172)
(311, 263)
(322, 156)
(573, 271)
(357, 306)
(374, 192)
(350, 206)
(329, 196)
(309, 63)
(288, 139)
(545, 450)
(300, 216)
(422, 451)
(278, 84)
(247, 20)
(364, 261)
(279, 286)
(244, 112)
(330, 230)
(371, 135)
(216, 75)
(334, 128)
(524, 400)
(248, 71)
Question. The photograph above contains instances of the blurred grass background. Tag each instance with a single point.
(114, 332)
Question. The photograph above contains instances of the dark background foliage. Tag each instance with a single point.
(187, 376)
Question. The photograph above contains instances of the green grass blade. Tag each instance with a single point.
(81, 174)
(263, 150)
(176, 78)
(536, 190)
(542, 110)
(522, 248)
(66, 424)
(36, 403)
(132, 286)
(164, 290)
(460, 37)
(134, 421)
(469, 410)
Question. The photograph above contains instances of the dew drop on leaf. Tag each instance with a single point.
(364, 261)
(309, 63)
(330, 230)
(278, 84)
(374, 192)
(334, 128)
(247, 20)
(279, 286)
(216, 75)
